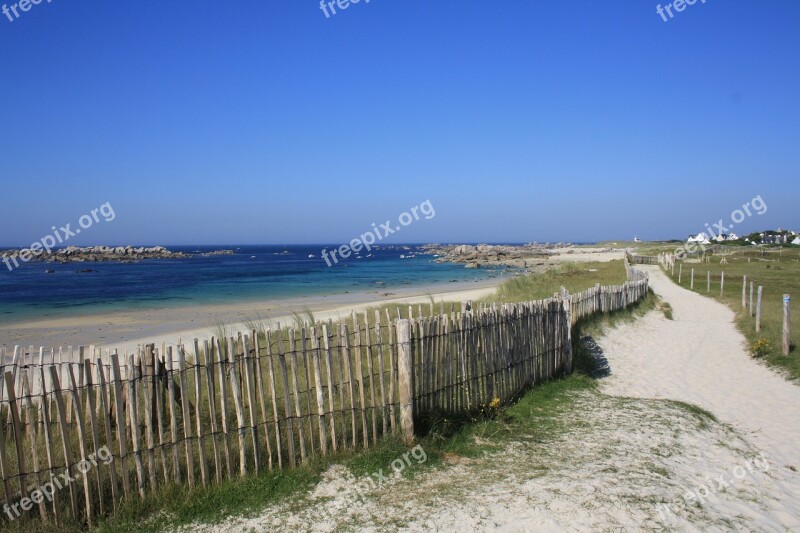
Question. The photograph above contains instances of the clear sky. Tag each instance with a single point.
(245, 121)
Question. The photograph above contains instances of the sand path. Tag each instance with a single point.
(700, 357)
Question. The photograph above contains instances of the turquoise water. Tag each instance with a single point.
(252, 273)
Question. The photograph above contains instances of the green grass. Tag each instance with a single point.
(778, 271)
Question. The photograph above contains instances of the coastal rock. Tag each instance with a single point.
(76, 254)
(487, 255)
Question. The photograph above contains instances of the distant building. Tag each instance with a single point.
(796, 241)
(701, 237)
(782, 238)
(722, 237)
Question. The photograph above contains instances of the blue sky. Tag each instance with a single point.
(265, 122)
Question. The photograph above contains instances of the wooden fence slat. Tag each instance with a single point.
(329, 376)
(76, 402)
(392, 369)
(360, 375)
(262, 396)
(198, 402)
(160, 372)
(212, 409)
(91, 409)
(381, 372)
(237, 402)
(305, 363)
(296, 394)
(223, 399)
(370, 371)
(122, 437)
(134, 420)
(112, 472)
(66, 441)
(4, 472)
(186, 416)
(345, 343)
(251, 401)
(323, 441)
(274, 396)
(342, 379)
(48, 445)
(286, 400)
(404, 366)
(148, 389)
(31, 430)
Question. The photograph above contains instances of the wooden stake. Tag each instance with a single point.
(66, 441)
(198, 398)
(758, 309)
(223, 407)
(186, 415)
(744, 291)
(251, 400)
(404, 380)
(237, 403)
(122, 437)
(786, 343)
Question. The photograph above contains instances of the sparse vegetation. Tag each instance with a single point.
(778, 271)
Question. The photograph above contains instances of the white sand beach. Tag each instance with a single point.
(125, 330)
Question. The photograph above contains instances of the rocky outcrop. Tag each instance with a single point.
(75, 254)
(486, 255)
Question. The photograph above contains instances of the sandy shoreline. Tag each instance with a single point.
(123, 330)
(127, 329)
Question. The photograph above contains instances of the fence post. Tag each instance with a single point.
(751, 298)
(404, 379)
(758, 309)
(680, 273)
(691, 285)
(744, 289)
(708, 281)
(722, 283)
(785, 324)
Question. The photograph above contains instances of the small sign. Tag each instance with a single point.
(786, 298)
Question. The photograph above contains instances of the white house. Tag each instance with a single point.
(796, 241)
(722, 237)
(701, 237)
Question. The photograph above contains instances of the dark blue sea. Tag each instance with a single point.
(251, 273)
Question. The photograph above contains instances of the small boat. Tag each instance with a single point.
(310, 256)
(402, 256)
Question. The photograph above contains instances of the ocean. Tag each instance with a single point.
(251, 273)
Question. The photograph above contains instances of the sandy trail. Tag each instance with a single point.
(625, 453)
(701, 358)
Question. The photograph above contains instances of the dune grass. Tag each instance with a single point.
(575, 277)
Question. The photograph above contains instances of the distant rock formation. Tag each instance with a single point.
(486, 255)
(75, 254)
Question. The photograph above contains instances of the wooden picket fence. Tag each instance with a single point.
(78, 437)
